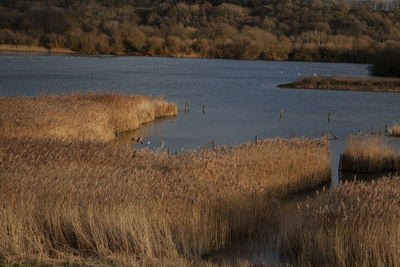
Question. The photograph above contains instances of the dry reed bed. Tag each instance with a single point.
(394, 131)
(99, 203)
(346, 84)
(356, 224)
(82, 116)
(369, 154)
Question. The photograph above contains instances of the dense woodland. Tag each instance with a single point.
(323, 30)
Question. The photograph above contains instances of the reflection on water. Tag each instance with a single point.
(131, 137)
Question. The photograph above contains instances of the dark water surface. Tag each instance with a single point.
(241, 98)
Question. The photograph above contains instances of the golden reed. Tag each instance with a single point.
(369, 154)
(80, 116)
(96, 203)
(355, 224)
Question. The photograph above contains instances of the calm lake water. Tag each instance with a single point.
(241, 98)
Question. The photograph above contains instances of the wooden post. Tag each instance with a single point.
(256, 139)
(333, 135)
(213, 144)
(329, 116)
(281, 113)
(204, 108)
(168, 150)
(386, 129)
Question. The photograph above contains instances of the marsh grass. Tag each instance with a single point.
(40, 49)
(369, 154)
(355, 224)
(345, 83)
(80, 116)
(71, 201)
(394, 131)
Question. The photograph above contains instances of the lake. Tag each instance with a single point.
(240, 97)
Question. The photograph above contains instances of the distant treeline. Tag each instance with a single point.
(323, 30)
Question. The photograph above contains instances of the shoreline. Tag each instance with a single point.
(34, 49)
(336, 83)
(41, 49)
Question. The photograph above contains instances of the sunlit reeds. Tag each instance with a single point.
(394, 131)
(67, 200)
(356, 224)
(80, 116)
(368, 154)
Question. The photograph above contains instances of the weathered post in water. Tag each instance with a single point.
(204, 108)
(213, 144)
(186, 106)
(281, 113)
(329, 116)
(256, 139)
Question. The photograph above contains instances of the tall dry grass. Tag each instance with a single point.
(80, 116)
(356, 224)
(30, 48)
(88, 202)
(369, 154)
(394, 131)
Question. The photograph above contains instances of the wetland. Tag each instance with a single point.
(212, 175)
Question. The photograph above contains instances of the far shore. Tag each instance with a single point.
(40, 49)
(345, 84)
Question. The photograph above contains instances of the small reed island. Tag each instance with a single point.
(369, 154)
(345, 84)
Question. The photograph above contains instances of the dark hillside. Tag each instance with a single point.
(309, 30)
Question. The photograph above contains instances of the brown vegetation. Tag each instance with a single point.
(394, 131)
(327, 30)
(80, 116)
(25, 48)
(74, 201)
(369, 154)
(355, 224)
(345, 84)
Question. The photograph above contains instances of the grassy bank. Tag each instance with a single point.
(29, 48)
(369, 154)
(345, 84)
(89, 202)
(356, 224)
(80, 116)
